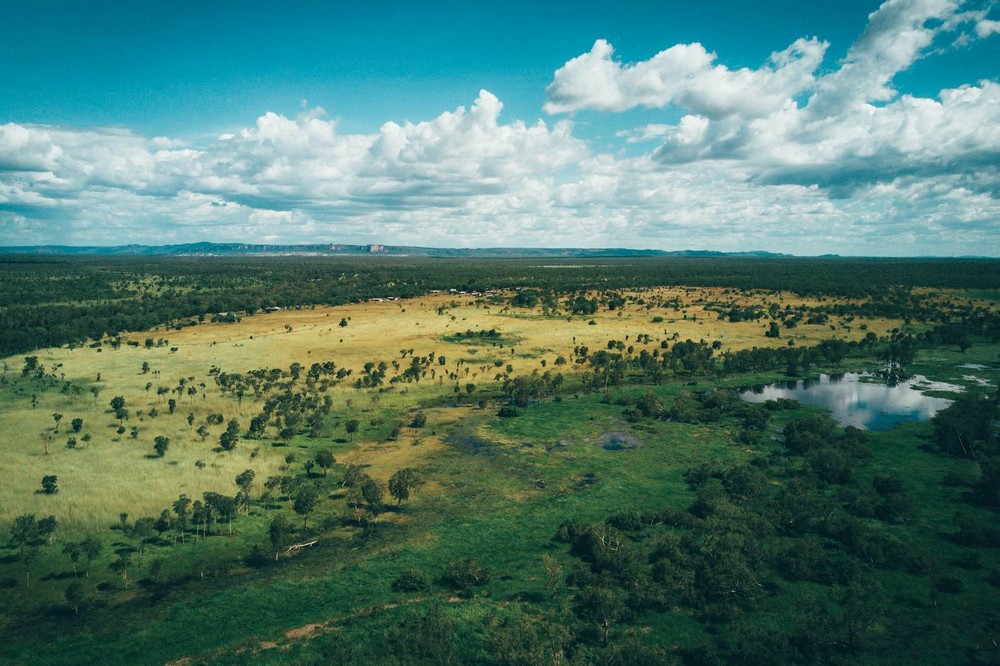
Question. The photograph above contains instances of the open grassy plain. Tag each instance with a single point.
(113, 473)
(582, 529)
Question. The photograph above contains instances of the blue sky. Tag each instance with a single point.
(850, 127)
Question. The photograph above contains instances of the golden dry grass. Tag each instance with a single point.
(113, 473)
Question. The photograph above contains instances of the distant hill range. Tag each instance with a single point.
(327, 249)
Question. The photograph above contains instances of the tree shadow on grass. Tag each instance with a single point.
(62, 575)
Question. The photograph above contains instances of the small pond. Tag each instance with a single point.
(855, 399)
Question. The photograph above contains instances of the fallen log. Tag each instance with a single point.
(296, 546)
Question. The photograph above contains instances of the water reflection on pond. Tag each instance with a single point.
(862, 404)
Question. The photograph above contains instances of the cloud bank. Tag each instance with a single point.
(799, 155)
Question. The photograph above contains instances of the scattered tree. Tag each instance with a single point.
(162, 524)
(24, 535)
(182, 509)
(230, 437)
(372, 492)
(244, 480)
(160, 445)
(75, 595)
(306, 497)
(73, 551)
(142, 530)
(325, 460)
(91, 549)
(49, 484)
(121, 565)
(280, 533)
(352, 475)
(47, 527)
(402, 482)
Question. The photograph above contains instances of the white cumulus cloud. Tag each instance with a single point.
(685, 75)
(290, 178)
(784, 123)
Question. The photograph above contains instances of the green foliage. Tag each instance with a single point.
(279, 533)
(49, 484)
(425, 636)
(967, 426)
(245, 481)
(306, 497)
(465, 574)
(325, 460)
(121, 566)
(526, 298)
(76, 595)
(160, 444)
(602, 606)
(582, 305)
(411, 580)
(229, 439)
(810, 432)
(402, 482)
(987, 486)
(91, 548)
(372, 492)
(25, 530)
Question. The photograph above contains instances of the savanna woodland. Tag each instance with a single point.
(392, 460)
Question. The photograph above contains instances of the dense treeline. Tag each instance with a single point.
(47, 302)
